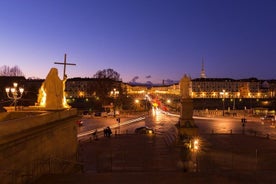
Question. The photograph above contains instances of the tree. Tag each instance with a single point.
(108, 73)
(10, 71)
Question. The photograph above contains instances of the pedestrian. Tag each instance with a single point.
(105, 132)
(95, 136)
(109, 132)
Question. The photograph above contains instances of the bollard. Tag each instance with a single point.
(212, 131)
(267, 136)
(231, 131)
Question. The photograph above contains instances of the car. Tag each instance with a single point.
(268, 117)
(111, 113)
(97, 114)
(144, 130)
(79, 122)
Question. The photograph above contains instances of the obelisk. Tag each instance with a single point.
(186, 126)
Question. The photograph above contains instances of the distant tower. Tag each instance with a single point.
(202, 73)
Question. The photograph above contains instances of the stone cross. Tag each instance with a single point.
(64, 66)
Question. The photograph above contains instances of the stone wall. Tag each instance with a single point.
(36, 145)
(6, 116)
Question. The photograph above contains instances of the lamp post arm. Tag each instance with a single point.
(9, 96)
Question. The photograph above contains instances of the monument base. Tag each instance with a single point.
(185, 135)
(187, 130)
(10, 108)
(187, 122)
(31, 108)
(28, 140)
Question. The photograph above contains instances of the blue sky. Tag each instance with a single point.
(161, 38)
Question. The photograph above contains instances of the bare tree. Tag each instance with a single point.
(108, 73)
(4, 70)
(10, 71)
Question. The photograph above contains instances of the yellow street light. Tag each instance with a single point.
(14, 93)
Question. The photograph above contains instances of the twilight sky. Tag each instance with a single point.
(161, 38)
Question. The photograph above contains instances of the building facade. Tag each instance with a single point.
(215, 88)
(201, 88)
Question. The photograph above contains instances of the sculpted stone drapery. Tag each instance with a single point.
(52, 91)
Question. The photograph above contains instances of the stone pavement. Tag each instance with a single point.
(239, 157)
(131, 158)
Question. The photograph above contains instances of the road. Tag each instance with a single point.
(226, 125)
(161, 123)
(132, 158)
(158, 150)
(129, 152)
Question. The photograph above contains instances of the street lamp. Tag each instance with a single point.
(137, 103)
(196, 149)
(222, 93)
(114, 93)
(14, 93)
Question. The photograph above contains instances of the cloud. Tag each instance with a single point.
(148, 76)
(169, 81)
(148, 82)
(134, 79)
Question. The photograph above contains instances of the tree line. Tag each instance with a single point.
(101, 74)
(10, 71)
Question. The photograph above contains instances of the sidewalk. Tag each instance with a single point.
(239, 157)
(147, 159)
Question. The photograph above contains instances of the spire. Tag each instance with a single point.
(202, 73)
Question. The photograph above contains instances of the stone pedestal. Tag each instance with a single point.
(37, 143)
(186, 126)
(186, 114)
(187, 130)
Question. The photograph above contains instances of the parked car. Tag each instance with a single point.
(144, 130)
(86, 114)
(268, 117)
(97, 114)
(111, 113)
(79, 122)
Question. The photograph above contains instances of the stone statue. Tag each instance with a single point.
(185, 87)
(51, 95)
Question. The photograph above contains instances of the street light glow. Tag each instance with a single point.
(196, 144)
(14, 93)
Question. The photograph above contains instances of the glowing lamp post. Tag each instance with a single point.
(114, 93)
(223, 107)
(196, 149)
(137, 103)
(14, 93)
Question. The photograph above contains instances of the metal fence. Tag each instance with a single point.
(38, 168)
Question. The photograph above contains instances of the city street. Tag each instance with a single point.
(222, 125)
(161, 123)
(221, 158)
